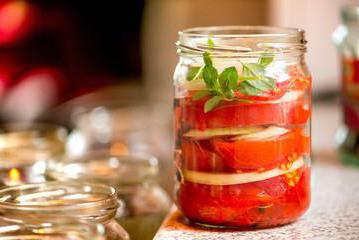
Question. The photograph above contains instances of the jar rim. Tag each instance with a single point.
(242, 31)
(35, 201)
(242, 41)
(26, 131)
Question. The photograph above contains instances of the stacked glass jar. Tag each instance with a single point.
(346, 37)
(143, 202)
(242, 120)
(55, 203)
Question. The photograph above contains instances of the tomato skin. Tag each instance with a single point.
(197, 156)
(261, 204)
(257, 154)
(236, 114)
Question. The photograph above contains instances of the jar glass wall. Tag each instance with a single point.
(134, 177)
(69, 229)
(346, 38)
(242, 119)
(25, 148)
(55, 201)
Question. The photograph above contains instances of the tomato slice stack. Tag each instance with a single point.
(244, 162)
(292, 108)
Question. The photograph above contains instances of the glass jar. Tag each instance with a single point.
(121, 128)
(54, 231)
(145, 203)
(242, 121)
(54, 201)
(24, 149)
(346, 38)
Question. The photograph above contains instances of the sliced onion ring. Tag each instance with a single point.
(220, 179)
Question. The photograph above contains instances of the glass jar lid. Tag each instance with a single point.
(53, 201)
(108, 169)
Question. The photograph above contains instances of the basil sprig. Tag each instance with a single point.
(222, 86)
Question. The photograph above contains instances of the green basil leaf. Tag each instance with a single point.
(223, 81)
(201, 94)
(228, 79)
(247, 89)
(262, 84)
(232, 77)
(210, 43)
(207, 59)
(212, 103)
(194, 73)
(253, 69)
(210, 76)
(265, 61)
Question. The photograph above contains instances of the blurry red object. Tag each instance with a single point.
(33, 94)
(16, 20)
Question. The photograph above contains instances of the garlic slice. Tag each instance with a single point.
(220, 179)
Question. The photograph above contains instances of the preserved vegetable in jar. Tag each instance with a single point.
(242, 119)
(346, 38)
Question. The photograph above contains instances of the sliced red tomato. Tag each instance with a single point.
(197, 156)
(266, 203)
(265, 153)
(291, 109)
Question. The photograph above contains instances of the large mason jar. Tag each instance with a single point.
(242, 121)
(53, 202)
(346, 38)
(144, 202)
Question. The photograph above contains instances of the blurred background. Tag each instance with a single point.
(103, 70)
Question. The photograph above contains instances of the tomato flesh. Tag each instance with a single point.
(246, 205)
(235, 114)
(255, 154)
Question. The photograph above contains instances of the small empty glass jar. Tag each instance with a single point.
(134, 177)
(69, 230)
(24, 149)
(54, 201)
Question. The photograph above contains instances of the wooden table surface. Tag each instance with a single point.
(334, 213)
